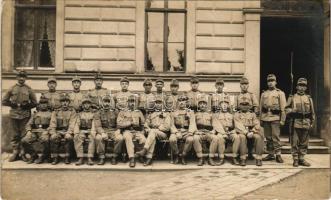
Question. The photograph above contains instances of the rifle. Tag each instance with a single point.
(291, 121)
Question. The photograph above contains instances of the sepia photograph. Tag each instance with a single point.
(165, 99)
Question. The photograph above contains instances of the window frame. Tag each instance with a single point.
(36, 41)
(166, 12)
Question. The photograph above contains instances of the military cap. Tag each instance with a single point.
(132, 97)
(124, 79)
(169, 99)
(22, 73)
(64, 97)
(219, 81)
(271, 77)
(159, 80)
(86, 98)
(51, 79)
(244, 101)
(244, 80)
(158, 99)
(147, 81)
(302, 81)
(76, 78)
(43, 99)
(174, 82)
(106, 97)
(202, 98)
(225, 98)
(98, 76)
(194, 79)
(182, 98)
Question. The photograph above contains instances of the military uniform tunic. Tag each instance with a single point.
(146, 102)
(204, 132)
(96, 96)
(53, 99)
(131, 124)
(121, 99)
(272, 111)
(247, 97)
(193, 99)
(62, 127)
(216, 98)
(76, 98)
(104, 128)
(21, 99)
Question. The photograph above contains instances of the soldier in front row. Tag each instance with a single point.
(62, 127)
(184, 121)
(21, 98)
(37, 131)
(248, 125)
(157, 126)
(223, 124)
(300, 109)
(131, 122)
(273, 116)
(104, 128)
(204, 132)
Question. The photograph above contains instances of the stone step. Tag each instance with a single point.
(311, 149)
(312, 141)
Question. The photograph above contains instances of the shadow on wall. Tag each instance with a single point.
(6, 133)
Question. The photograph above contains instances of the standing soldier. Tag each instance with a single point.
(219, 95)
(37, 131)
(21, 99)
(174, 86)
(300, 109)
(121, 98)
(248, 125)
(104, 128)
(98, 92)
(82, 131)
(223, 125)
(204, 132)
(253, 103)
(159, 84)
(77, 95)
(131, 123)
(194, 93)
(52, 95)
(62, 127)
(147, 99)
(158, 126)
(184, 121)
(273, 115)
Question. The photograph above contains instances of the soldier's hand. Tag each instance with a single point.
(250, 134)
(67, 136)
(190, 134)
(282, 123)
(104, 136)
(225, 136)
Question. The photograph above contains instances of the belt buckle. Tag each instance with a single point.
(40, 126)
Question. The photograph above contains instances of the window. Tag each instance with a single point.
(35, 23)
(165, 36)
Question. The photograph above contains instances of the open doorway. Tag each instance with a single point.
(304, 37)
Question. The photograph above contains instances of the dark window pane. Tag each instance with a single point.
(176, 27)
(177, 4)
(24, 54)
(155, 27)
(155, 4)
(24, 24)
(30, 2)
(47, 25)
(46, 54)
(176, 57)
(47, 2)
(155, 56)
(36, 2)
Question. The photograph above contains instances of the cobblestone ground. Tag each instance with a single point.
(207, 184)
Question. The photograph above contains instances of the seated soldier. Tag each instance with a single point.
(131, 123)
(204, 132)
(37, 131)
(62, 127)
(157, 126)
(224, 128)
(184, 121)
(104, 128)
(82, 131)
(248, 125)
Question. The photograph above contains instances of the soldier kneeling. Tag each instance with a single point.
(82, 131)
(204, 132)
(131, 122)
(37, 131)
(247, 124)
(104, 128)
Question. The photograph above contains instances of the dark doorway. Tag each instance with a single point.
(304, 37)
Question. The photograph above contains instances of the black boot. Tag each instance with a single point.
(132, 162)
(304, 163)
(113, 161)
(269, 157)
(14, 156)
(295, 163)
(211, 161)
(39, 160)
(175, 159)
(80, 161)
(221, 161)
(148, 162)
(242, 162)
(235, 161)
(55, 160)
(258, 162)
(90, 161)
(183, 160)
(279, 159)
(250, 156)
(201, 161)
(101, 161)
(31, 160)
(24, 158)
(67, 160)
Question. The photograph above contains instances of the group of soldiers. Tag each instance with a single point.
(184, 119)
